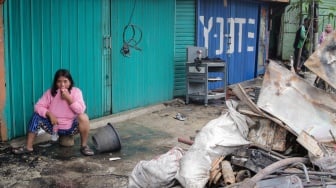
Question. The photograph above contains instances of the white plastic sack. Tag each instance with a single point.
(219, 137)
(158, 172)
(194, 171)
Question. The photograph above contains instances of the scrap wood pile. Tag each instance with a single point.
(295, 120)
(281, 134)
(276, 157)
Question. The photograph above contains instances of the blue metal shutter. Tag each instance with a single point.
(229, 29)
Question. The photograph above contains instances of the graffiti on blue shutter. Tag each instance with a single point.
(230, 32)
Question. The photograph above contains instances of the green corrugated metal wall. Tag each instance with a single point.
(86, 36)
(185, 29)
(147, 76)
(42, 36)
(291, 22)
(326, 8)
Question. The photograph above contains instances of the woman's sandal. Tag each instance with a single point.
(21, 150)
(86, 150)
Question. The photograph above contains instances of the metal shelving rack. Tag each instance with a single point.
(197, 78)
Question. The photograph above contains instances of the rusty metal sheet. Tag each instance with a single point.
(323, 61)
(297, 103)
(268, 134)
(242, 95)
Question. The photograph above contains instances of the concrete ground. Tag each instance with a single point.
(144, 134)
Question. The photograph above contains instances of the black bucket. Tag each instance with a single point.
(106, 139)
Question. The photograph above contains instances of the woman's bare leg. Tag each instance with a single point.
(30, 140)
(84, 128)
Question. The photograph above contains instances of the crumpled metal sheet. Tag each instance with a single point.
(297, 103)
(323, 61)
(281, 182)
(241, 94)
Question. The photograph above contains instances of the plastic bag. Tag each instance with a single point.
(219, 137)
(158, 172)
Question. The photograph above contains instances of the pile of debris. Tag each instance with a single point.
(281, 134)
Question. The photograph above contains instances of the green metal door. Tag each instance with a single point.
(145, 75)
(42, 36)
(185, 31)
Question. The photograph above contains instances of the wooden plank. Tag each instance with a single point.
(227, 173)
(279, 139)
(310, 144)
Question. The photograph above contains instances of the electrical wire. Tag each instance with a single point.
(134, 39)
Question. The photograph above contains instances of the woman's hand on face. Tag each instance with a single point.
(66, 95)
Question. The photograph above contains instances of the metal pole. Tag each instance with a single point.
(311, 28)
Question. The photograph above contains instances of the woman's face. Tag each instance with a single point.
(63, 83)
(328, 28)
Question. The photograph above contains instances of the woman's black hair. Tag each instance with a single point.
(59, 73)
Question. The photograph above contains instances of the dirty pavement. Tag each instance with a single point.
(278, 130)
(142, 138)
